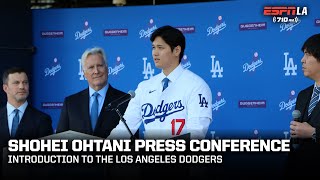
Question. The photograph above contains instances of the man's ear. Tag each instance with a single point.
(5, 87)
(177, 50)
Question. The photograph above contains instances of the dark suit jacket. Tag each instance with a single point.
(307, 150)
(75, 114)
(34, 124)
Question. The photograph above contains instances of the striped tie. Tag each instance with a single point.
(314, 99)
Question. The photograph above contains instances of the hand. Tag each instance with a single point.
(301, 130)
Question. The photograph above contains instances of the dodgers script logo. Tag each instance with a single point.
(54, 69)
(289, 26)
(216, 68)
(85, 32)
(219, 27)
(150, 113)
(185, 63)
(147, 70)
(117, 68)
(219, 102)
(256, 62)
(290, 103)
(147, 33)
(289, 65)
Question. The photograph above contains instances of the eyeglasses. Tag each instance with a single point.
(99, 67)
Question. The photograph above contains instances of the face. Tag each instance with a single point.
(310, 66)
(164, 58)
(96, 71)
(17, 88)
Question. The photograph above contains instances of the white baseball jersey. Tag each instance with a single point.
(185, 106)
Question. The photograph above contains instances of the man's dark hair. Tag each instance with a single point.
(12, 70)
(172, 36)
(312, 46)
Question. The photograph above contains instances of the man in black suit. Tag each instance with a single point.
(305, 132)
(31, 123)
(78, 108)
(18, 119)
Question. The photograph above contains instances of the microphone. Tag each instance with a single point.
(116, 103)
(296, 115)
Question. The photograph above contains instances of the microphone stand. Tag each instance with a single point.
(125, 123)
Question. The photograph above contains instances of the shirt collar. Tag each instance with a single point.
(102, 92)
(174, 74)
(22, 108)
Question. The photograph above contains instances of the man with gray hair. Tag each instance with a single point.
(85, 111)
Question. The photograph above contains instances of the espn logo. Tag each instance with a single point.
(285, 11)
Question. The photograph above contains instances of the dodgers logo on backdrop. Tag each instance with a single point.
(286, 133)
(146, 33)
(51, 71)
(84, 33)
(289, 26)
(81, 74)
(290, 103)
(147, 69)
(256, 62)
(289, 65)
(220, 25)
(185, 63)
(213, 135)
(216, 68)
(219, 102)
(150, 113)
(117, 68)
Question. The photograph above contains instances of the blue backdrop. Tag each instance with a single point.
(251, 64)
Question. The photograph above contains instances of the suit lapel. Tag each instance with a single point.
(305, 103)
(84, 109)
(314, 116)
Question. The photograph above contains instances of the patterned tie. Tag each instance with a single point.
(314, 99)
(165, 83)
(15, 123)
(94, 110)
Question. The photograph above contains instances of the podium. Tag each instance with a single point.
(63, 170)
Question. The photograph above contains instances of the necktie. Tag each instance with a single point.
(165, 83)
(314, 100)
(94, 110)
(15, 123)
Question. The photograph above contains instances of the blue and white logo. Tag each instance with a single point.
(85, 32)
(51, 71)
(289, 65)
(148, 71)
(256, 62)
(216, 68)
(161, 111)
(290, 103)
(147, 33)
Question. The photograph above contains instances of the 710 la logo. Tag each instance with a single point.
(285, 14)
